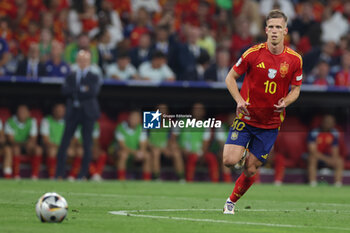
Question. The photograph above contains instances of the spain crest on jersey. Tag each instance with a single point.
(284, 69)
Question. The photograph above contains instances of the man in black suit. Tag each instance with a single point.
(218, 71)
(142, 52)
(81, 88)
(31, 67)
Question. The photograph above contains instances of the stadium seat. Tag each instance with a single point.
(5, 113)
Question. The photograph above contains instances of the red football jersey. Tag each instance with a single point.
(268, 78)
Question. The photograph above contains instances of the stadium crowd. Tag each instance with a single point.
(166, 40)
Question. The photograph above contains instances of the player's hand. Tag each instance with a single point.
(242, 107)
(280, 106)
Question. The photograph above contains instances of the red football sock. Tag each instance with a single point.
(36, 162)
(227, 177)
(279, 167)
(191, 166)
(100, 163)
(75, 166)
(51, 166)
(16, 165)
(92, 168)
(242, 185)
(147, 176)
(213, 166)
(121, 174)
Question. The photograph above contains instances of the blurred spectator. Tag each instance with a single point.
(29, 37)
(206, 40)
(31, 67)
(82, 18)
(22, 131)
(55, 67)
(4, 56)
(5, 153)
(218, 71)
(142, 52)
(5, 31)
(51, 131)
(342, 78)
(324, 151)
(334, 26)
(150, 6)
(109, 20)
(141, 24)
(105, 50)
(163, 142)
(322, 76)
(45, 45)
(99, 157)
(57, 24)
(241, 38)
(325, 53)
(223, 25)
(122, 69)
(156, 69)
(203, 63)
(301, 26)
(250, 10)
(194, 143)
(167, 44)
(83, 43)
(284, 5)
(188, 55)
(132, 142)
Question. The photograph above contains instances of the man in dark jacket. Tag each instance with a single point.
(31, 67)
(81, 89)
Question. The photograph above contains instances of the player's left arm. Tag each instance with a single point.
(289, 99)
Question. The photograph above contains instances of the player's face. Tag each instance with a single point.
(276, 30)
(59, 111)
(22, 113)
(134, 119)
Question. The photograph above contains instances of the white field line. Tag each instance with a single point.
(182, 198)
(130, 213)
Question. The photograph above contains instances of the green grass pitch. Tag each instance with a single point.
(173, 207)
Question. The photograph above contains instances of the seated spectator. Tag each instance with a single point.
(218, 71)
(105, 50)
(150, 6)
(45, 45)
(188, 56)
(5, 152)
(140, 25)
(342, 78)
(132, 142)
(334, 26)
(206, 40)
(143, 51)
(321, 76)
(55, 67)
(99, 157)
(157, 69)
(324, 151)
(22, 131)
(163, 142)
(122, 69)
(71, 50)
(4, 56)
(31, 67)
(241, 38)
(194, 144)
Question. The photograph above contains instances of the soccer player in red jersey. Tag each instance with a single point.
(272, 82)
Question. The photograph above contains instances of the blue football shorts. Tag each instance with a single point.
(260, 140)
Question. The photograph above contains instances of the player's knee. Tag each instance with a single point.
(230, 161)
(250, 171)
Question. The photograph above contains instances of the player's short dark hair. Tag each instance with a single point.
(276, 14)
(158, 54)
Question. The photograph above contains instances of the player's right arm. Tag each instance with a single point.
(232, 86)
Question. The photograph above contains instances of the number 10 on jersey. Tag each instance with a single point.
(270, 87)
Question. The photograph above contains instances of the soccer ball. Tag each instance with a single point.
(51, 207)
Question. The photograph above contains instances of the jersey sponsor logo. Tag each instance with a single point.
(272, 73)
(151, 120)
(300, 77)
(261, 65)
(239, 62)
(284, 69)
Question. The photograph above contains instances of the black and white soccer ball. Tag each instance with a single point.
(51, 207)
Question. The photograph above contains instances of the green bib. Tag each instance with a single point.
(55, 130)
(131, 137)
(159, 137)
(21, 131)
